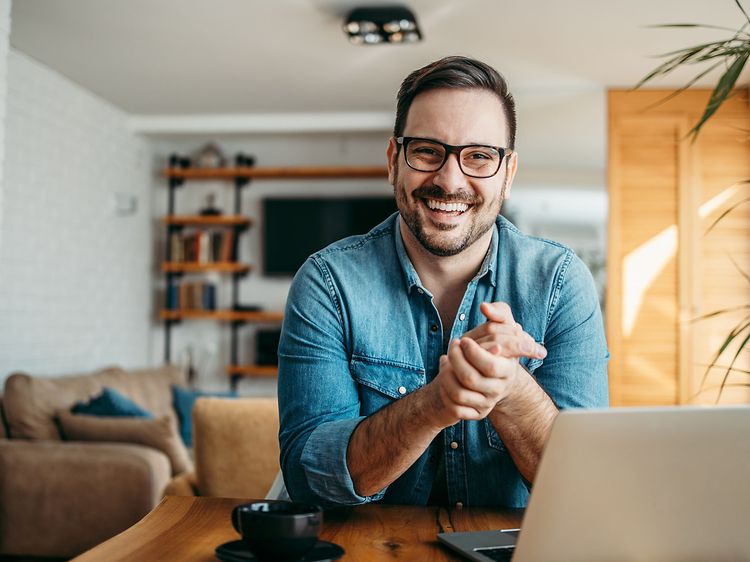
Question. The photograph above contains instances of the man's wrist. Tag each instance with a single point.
(426, 407)
(521, 384)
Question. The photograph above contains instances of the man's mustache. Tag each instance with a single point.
(436, 192)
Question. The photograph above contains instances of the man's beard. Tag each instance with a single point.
(480, 223)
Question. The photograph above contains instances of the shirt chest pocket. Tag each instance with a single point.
(381, 381)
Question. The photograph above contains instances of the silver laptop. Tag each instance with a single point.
(656, 484)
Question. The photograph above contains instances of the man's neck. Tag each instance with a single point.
(441, 274)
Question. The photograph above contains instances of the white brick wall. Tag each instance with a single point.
(4, 47)
(75, 278)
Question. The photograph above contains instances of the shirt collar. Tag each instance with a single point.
(489, 264)
(410, 274)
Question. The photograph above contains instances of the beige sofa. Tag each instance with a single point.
(236, 448)
(60, 497)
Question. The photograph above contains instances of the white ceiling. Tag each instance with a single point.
(162, 57)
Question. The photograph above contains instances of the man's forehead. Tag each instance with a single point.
(458, 116)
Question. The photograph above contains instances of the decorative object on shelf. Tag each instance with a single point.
(196, 360)
(210, 210)
(244, 161)
(177, 161)
(210, 156)
(373, 25)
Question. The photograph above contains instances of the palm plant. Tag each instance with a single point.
(740, 332)
(732, 54)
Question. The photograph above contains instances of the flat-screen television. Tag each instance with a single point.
(294, 228)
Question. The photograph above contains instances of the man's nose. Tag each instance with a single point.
(450, 177)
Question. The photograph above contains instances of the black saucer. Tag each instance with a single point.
(237, 551)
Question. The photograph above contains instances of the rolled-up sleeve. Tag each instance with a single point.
(319, 406)
(574, 373)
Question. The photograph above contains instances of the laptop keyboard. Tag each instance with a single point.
(499, 554)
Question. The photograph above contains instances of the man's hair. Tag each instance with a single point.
(456, 73)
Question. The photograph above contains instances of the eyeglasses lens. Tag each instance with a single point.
(476, 161)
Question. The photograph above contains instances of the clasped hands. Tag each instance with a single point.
(482, 369)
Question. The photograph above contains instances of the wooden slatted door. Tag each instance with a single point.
(722, 256)
(663, 271)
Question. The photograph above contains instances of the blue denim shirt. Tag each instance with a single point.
(361, 331)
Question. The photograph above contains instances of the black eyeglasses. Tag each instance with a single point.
(475, 160)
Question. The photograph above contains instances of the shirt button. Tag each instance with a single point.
(454, 445)
(462, 317)
(459, 505)
(434, 328)
(402, 390)
(420, 291)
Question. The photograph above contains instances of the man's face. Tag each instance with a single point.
(456, 117)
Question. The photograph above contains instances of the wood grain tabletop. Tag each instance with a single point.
(190, 528)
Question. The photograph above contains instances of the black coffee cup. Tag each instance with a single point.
(278, 530)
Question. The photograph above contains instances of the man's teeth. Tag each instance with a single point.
(450, 207)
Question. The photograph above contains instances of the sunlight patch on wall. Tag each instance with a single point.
(644, 264)
(640, 268)
(717, 201)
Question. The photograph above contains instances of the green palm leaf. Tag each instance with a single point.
(738, 329)
(721, 91)
(738, 268)
(744, 13)
(722, 311)
(726, 212)
(731, 365)
(736, 49)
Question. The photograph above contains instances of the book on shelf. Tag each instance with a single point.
(191, 295)
(203, 246)
(173, 296)
(228, 246)
(176, 247)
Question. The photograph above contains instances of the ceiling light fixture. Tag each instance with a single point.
(382, 24)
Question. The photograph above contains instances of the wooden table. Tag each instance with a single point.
(189, 529)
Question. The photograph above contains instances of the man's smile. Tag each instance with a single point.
(446, 207)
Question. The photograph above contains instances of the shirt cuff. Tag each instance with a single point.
(324, 462)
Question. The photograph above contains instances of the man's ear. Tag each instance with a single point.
(392, 154)
(511, 166)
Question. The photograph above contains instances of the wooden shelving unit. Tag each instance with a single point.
(252, 371)
(192, 267)
(177, 175)
(280, 173)
(256, 317)
(202, 220)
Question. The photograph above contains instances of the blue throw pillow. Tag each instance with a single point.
(183, 402)
(111, 403)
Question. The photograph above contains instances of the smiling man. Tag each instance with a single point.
(425, 361)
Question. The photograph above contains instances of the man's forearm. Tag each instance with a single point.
(388, 442)
(523, 423)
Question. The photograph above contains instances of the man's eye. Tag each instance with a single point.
(479, 155)
(424, 151)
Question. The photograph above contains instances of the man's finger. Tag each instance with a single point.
(467, 375)
(513, 347)
(497, 312)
